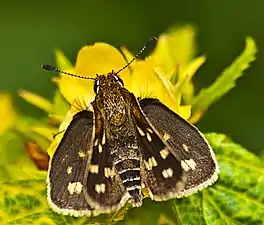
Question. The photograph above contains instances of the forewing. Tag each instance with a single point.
(67, 168)
(104, 189)
(161, 171)
(186, 143)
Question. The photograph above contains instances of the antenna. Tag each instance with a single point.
(52, 68)
(138, 54)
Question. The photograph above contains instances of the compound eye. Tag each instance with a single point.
(117, 78)
(96, 86)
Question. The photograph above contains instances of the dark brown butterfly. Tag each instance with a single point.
(108, 155)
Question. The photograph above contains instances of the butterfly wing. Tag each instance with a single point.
(186, 143)
(104, 189)
(161, 171)
(67, 168)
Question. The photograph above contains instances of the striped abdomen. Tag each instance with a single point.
(126, 160)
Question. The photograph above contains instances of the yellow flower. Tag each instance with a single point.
(142, 79)
(165, 74)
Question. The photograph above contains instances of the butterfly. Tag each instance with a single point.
(109, 154)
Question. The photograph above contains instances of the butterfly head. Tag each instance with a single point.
(108, 81)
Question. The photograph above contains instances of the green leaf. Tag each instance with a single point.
(236, 198)
(24, 202)
(226, 81)
(14, 164)
(149, 213)
(189, 210)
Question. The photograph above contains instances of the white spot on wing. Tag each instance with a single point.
(191, 163)
(141, 132)
(154, 162)
(96, 142)
(185, 166)
(185, 147)
(164, 153)
(75, 187)
(69, 170)
(149, 137)
(150, 130)
(100, 188)
(103, 139)
(94, 168)
(100, 148)
(167, 173)
(150, 163)
(109, 172)
(188, 164)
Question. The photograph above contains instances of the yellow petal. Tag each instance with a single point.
(193, 66)
(188, 92)
(36, 100)
(176, 47)
(72, 87)
(188, 88)
(7, 113)
(128, 55)
(168, 86)
(99, 58)
(185, 111)
(196, 117)
(62, 61)
(145, 82)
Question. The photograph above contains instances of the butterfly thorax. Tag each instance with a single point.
(110, 101)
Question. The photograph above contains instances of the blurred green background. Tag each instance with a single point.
(32, 30)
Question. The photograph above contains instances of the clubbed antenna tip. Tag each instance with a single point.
(48, 67)
(52, 68)
(137, 55)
